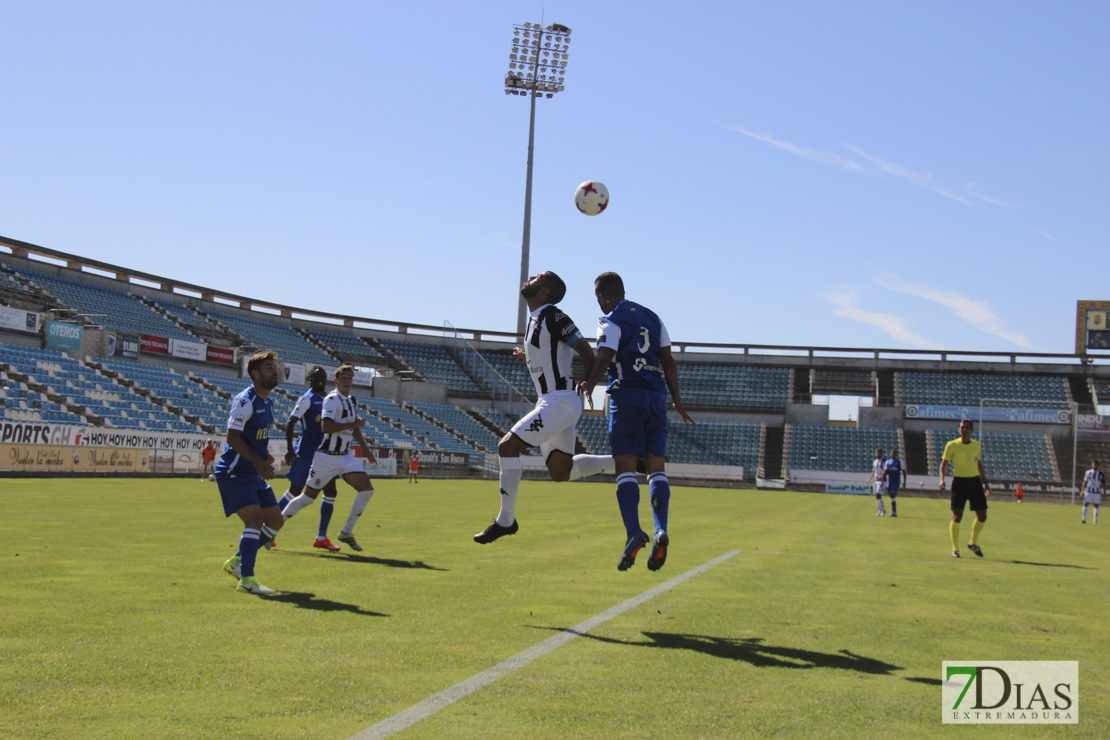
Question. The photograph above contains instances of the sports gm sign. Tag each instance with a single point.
(1010, 692)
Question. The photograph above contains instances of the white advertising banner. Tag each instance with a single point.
(189, 350)
(17, 319)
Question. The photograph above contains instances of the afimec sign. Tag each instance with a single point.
(1010, 692)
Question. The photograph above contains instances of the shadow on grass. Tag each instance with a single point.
(1048, 565)
(303, 600)
(349, 558)
(755, 651)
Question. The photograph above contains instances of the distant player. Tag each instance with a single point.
(633, 346)
(299, 454)
(208, 455)
(969, 486)
(414, 468)
(340, 422)
(894, 476)
(875, 480)
(246, 465)
(1093, 483)
(550, 343)
(1019, 493)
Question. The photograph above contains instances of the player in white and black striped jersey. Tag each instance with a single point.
(340, 423)
(550, 343)
(1094, 481)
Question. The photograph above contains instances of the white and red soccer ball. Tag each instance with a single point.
(591, 197)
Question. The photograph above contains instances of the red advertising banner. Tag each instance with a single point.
(222, 355)
(154, 345)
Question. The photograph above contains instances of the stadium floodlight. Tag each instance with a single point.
(537, 67)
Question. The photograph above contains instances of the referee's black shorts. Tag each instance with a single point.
(968, 491)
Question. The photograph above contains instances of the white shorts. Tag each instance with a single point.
(1092, 498)
(877, 488)
(326, 468)
(550, 425)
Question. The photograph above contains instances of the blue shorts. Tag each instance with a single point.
(892, 488)
(638, 423)
(238, 491)
(298, 471)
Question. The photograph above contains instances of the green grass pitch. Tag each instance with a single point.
(117, 620)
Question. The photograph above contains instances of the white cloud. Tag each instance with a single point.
(971, 188)
(977, 313)
(921, 179)
(848, 307)
(814, 155)
(1046, 235)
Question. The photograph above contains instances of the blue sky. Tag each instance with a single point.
(855, 174)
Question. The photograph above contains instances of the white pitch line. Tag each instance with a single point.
(426, 708)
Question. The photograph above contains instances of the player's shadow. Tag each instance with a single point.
(755, 651)
(1048, 565)
(304, 600)
(350, 558)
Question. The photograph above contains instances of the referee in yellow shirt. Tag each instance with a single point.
(969, 485)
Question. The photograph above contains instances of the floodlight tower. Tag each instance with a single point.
(537, 64)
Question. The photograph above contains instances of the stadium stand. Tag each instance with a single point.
(733, 386)
(1008, 455)
(434, 363)
(115, 309)
(764, 406)
(286, 341)
(847, 449)
(967, 389)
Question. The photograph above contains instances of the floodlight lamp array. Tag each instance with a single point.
(538, 60)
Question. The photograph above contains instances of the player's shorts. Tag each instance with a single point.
(1092, 498)
(298, 471)
(238, 491)
(638, 423)
(326, 468)
(550, 425)
(968, 491)
(877, 488)
(892, 489)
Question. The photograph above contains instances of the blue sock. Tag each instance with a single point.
(248, 551)
(660, 488)
(266, 535)
(893, 506)
(327, 506)
(628, 499)
(285, 499)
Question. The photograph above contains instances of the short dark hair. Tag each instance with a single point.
(610, 285)
(556, 285)
(256, 360)
(969, 422)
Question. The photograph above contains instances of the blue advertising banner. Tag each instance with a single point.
(975, 413)
(60, 335)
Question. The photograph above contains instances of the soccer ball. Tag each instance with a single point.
(591, 197)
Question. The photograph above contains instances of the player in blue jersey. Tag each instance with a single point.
(299, 455)
(245, 466)
(634, 348)
(550, 343)
(894, 475)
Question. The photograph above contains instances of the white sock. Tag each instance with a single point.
(1084, 512)
(361, 500)
(511, 473)
(1096, 515)
(879, 503)
(296, 505)
(585, 465)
